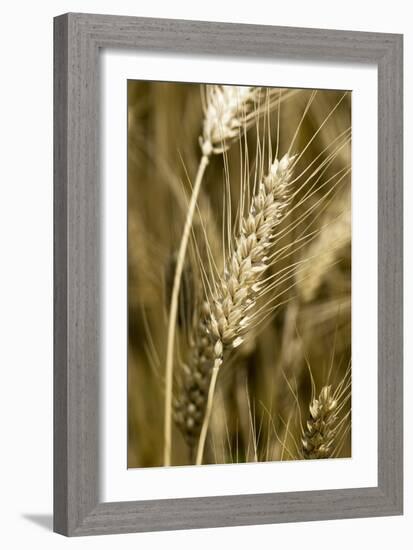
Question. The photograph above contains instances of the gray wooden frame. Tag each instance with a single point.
(78, 39)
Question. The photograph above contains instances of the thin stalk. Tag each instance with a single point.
(173, 310)
(208, 411)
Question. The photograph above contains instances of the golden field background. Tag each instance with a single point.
(264, 392)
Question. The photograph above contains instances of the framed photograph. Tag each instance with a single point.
(228, 274)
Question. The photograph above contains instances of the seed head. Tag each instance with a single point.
(318, 438)
(228, 311)
(227, 111)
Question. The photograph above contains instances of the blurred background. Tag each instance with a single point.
(264, 391)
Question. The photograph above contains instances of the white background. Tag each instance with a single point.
(26, 272)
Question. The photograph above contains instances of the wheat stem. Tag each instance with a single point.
(174, 309)
(227, 112)
(207, 417)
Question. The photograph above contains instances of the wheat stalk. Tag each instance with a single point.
(228, 312)
(227, 111)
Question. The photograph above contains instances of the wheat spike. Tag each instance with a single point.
(318, 438)
(229, 312)
(228, 110)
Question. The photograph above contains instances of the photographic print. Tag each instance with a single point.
(239, 274)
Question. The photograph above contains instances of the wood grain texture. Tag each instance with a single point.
(78, 38)
(390, 273)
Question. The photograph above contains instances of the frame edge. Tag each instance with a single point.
(76, 508)
(60, 418)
